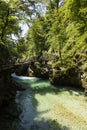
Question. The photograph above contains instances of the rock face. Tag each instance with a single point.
(7, 90)
(8, 108)
(66, 77)
(63, 77)
(22, 70)
(39, 69)
(84, 81)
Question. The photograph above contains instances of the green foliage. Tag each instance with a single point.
(12, 14)
(37, 36)
(62, 30)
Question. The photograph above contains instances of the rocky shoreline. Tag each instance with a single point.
(9, 112)
(72, 76)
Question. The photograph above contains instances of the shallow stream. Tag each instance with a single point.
(45, 107)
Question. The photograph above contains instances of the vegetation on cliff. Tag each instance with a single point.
(56, 32)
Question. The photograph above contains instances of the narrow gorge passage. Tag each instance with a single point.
(45, 107)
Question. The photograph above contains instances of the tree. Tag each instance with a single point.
(12, 14)
(37, 34)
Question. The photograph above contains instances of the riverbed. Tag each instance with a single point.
(46, 107)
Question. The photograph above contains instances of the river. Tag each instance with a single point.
(45, 107)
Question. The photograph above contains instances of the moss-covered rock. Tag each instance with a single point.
(38, 69)
(66, 77)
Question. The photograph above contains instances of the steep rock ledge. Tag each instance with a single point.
(70, 76)
(8, 108)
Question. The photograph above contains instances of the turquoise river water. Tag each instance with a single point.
(45, 107)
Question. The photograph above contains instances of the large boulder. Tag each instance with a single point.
(22, 69)
(66, 77)
(39, 70)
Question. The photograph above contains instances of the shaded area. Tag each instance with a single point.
(45, 125)
(8, 108)
(9, 117)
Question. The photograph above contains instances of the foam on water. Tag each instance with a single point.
(22, 77)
